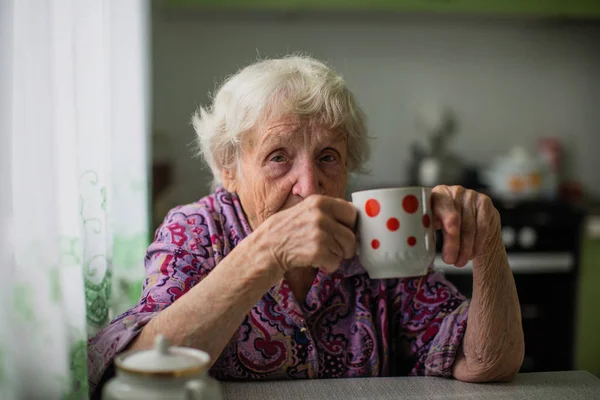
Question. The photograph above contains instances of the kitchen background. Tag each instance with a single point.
(443, 92)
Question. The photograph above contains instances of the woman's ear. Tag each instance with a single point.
(229, 179)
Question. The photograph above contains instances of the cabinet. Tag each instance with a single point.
(548, 318)
(542, 8)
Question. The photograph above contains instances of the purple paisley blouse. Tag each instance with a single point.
(348, 326)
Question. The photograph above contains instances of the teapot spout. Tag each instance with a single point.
(194, 390)
(202, 389)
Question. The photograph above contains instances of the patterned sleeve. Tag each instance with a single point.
(177, 260)
(431, 317)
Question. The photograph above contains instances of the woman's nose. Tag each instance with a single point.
(307, 180)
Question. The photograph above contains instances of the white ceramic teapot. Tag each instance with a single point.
(517, 176)
(165, 373)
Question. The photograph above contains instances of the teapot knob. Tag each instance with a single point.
(161, 344)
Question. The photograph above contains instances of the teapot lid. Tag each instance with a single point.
(164, 361)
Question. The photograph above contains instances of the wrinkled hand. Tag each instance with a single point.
(316, 232)
(469, 222)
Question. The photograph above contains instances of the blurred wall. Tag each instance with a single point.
(508, 81)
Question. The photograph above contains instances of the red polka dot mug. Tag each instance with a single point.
(395, 231)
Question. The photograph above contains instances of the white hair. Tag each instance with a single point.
(296, 85)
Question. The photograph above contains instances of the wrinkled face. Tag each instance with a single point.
(283, 162)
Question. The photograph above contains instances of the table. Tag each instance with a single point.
(572, 385)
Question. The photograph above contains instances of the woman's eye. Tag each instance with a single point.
(278, 158)
(327, 158)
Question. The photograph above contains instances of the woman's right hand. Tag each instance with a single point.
(318, 232)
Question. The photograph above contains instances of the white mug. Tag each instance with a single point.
(395, 231)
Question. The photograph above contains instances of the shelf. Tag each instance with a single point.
(538, 263)
(587, 9)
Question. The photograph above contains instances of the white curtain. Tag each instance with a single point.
(73, 184)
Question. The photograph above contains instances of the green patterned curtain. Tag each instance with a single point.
(73, 184)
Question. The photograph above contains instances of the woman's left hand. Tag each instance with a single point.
(469, 222)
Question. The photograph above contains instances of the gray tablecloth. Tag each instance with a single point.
(574, 385)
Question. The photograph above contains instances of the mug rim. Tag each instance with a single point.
(390, 189)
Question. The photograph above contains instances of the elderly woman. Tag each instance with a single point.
(262, 274)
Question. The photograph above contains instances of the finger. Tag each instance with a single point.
(339, 209)
(468, 228)
(345, 238)
(436, 196)
(332, 255)
(445, 210)
(331, 265)
(326, 253)
(485, 211)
